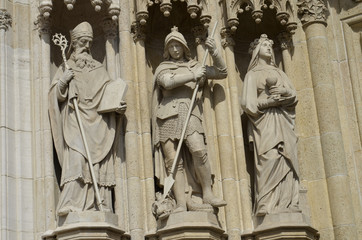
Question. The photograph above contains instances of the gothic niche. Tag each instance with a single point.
(248, 20)
(64, 18)
(194, 31)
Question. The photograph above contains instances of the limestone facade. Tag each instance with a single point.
(317, 44)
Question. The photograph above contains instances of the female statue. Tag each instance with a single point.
(174, 82)
(269, 100)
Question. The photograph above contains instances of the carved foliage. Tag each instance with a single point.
(43, 24)
(109, 28)
(5, 19)
(312, 10)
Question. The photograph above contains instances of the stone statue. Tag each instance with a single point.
(269, 100)
(86, 80)
(174, 82)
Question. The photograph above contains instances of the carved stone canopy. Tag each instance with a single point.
(194, 7)
(284, 12)
(46, 6)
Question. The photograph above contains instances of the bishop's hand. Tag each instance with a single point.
(68, 75)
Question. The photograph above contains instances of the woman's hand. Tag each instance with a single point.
(281, 91)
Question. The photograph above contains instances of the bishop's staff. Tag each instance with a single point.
(62, 42)
(169, 180)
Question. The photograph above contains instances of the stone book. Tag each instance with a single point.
(113, 96)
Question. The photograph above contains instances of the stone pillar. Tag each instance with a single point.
(246, 208)
(144, 116)
(228, 161)
(133, 218)
(45, 179)
(5, 24)
(200, 33)
(110, 30)
(286, 44)
(314, 24)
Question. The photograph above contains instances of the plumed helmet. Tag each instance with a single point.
(177, 36)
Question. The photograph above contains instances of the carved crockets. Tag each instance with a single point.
(174, 82)
(269, 99)
(81, 130)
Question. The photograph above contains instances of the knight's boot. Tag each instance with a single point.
(203, 172)
(179, 192)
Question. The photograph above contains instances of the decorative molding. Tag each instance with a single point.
(43, 25)
(284, 12)
(138, 31)
(46, 6)
(227, 37)
(5, 19)
(194, 7)
(286, 40)
(109, 28)
(200, 34)
(312, 11)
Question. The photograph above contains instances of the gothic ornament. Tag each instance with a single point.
(43, 24)
(312, 11)
(285, 40)
(194, 7)
(284, 12)
(226, 37)
(5, 19)
(46, 6)
(109, 28)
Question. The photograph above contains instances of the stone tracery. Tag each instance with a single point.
(284, 12)
(46, 7)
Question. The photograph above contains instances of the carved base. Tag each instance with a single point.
(286, 226)
(86, 226)
(190, 225)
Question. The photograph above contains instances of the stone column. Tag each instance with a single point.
(146, 172)
(45, 179)
(314, 24)
(133, 220)
(286, 44)
(228, 44)
(110, 30)
(200, 33)
(227, 156)
(5, 24)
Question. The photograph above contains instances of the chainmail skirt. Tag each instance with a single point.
(171, 128)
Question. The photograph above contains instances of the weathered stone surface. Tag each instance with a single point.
(190, 225)
(86, 226)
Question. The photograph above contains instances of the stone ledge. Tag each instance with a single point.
(286, 226)
(190, 225)
(86, 226)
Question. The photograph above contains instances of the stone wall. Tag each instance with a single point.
(323, 61)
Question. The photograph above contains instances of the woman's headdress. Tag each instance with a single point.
(254, 51)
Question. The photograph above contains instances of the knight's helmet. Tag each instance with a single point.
(177, 36)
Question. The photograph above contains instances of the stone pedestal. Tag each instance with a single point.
(190, 225)
(86, 226)
(286, 226)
